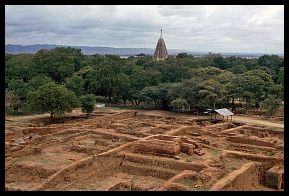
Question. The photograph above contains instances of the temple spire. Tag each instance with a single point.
(161, 52)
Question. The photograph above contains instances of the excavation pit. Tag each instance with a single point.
(123, 151)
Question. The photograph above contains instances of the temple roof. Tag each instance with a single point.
(161, 52)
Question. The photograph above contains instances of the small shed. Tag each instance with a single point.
(100, 105)
(224, 112)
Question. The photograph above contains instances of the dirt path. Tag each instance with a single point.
(30, 119)
(244, 119)
(19, 120)
(254, 120)
(16, 120)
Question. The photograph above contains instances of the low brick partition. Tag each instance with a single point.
(250, 141)
(275, 177)
(253, 157)
(244, 179)
(138, 169)
(164, 162)
(164, 145)
(157, 147)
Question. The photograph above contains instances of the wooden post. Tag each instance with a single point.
(231, 117)
(227, 118)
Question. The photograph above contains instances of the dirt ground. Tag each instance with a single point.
(116, 149)
(255, 120)
(238, 118)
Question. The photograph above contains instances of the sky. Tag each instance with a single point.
(204, 28)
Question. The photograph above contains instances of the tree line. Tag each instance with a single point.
(60, 79)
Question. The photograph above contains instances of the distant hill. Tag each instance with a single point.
(87, 50)
(16, 49)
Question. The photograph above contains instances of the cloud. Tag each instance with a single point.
(219, 28)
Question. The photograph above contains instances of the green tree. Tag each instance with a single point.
(205, 72)
(238, 68)
(122, 87)
(57, 63)
(182, 55)
(179, 104)
(20, 67)
(171, 72)
(281, 76)
(76, 84)
(187, 90)
(221, 62)
(54, 99)
(20, 88)
(87, 103)
(38, 81)
(248, 96)
(159, 94)
(273, 62)
(252, 86)
(271, 103)
(152, 92)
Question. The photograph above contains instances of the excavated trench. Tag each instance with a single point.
(133, 152)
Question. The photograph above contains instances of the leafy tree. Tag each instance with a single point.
(76, 84)
(281, 76)
(20, 67)
(57, 63)
(159, 94)
(153, 93)
(206, 72)
(202, 82)
(88, 76)
(172, 72)
(38, 81)
(182, 55)
(271, 103)
(54, 99)
(248, 96)
(254, 86)
(20, 88)
(179, 103)
(273, 62)
(221, 62)
(238, 68)
(122, 87)
(187, 90)
(87, 103)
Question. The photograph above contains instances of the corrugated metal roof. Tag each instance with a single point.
(224, 112)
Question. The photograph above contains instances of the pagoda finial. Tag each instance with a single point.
(161, 31)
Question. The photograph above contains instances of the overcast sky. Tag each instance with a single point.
(218, 28)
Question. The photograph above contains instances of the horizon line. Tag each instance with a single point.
(185, 50)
